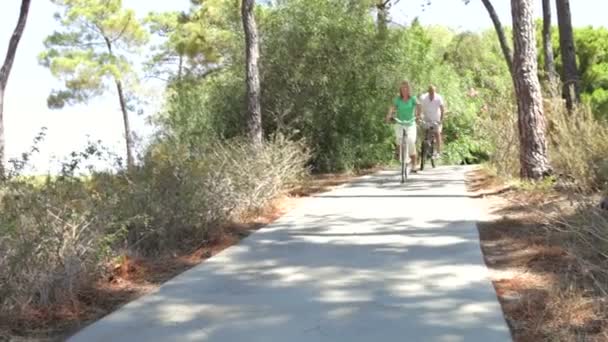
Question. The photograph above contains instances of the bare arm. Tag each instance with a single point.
(442, 112)
(391, 114)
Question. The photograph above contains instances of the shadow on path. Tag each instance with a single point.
(377, 265)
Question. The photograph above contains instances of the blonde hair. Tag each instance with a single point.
(409, 89)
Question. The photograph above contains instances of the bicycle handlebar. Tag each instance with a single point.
(402, 122)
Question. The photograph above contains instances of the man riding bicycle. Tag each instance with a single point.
(433, 113)
(408, 110)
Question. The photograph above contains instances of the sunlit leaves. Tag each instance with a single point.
(91, 48)
(195, 41)
(592, 53)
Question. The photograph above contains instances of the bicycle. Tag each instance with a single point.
(404, 153)
(428, 144)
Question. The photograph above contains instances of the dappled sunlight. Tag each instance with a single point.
(448, 276)
(354, 270)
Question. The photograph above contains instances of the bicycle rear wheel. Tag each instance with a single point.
(432, 153)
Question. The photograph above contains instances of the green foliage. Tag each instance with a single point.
(325, 80)
(198, 111)
(592, 58)
(477, 58)
(88, 52)
(592, 52)
(195, 42)
(328, 77)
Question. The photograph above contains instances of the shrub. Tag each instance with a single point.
(182, 194)
(56, 236)
(498, 126)
(51, 239)
(578, 147)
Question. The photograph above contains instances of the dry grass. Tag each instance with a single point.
(132, 277)
(577, 144)
(546, 290)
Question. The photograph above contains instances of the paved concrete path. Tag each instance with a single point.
(369, 261)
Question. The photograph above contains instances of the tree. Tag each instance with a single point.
(533, 145)
(192, 43)
(551, 75)
(478, 57)
(382, 10)
(90, 54)
(171, 54)
(500, 32)
(252, 71)
(592, 56)
(6, 70)
(570, 75)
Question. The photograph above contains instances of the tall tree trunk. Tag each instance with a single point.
(2, 139)
(6, 70)
(504, 44)
(125, 113)
(531, 120)
(566, 41)
(253, 72)
(127, 126)
(382, 8)
(552, 77)
(180, 67)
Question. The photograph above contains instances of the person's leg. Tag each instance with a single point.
(439, 139)
(413, 163)
(411, 141)
(398, 133)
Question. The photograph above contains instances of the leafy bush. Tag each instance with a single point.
(465, 144)
(58, 235)
(328, 77)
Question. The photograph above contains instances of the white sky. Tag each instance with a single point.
(29, 84)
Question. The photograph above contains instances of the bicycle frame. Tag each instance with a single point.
(404, 154)
(428, 145)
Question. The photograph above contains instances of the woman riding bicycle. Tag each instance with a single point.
(408, 110)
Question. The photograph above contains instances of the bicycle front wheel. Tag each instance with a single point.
(404, 156)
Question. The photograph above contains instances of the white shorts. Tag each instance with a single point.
(411, 137)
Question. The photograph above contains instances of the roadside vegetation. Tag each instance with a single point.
(548, 245)
(76, 244)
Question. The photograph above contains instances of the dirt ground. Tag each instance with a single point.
(544, 292)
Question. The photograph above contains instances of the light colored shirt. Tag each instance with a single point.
(431, 109)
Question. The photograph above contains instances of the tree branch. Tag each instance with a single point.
(504, 45)
(124, 29)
